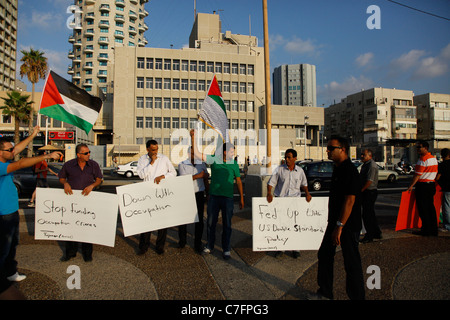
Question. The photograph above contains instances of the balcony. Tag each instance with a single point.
(132, 30)
(77, 44)
(119, 18)
(105, 8)
(71, 39)
(89, 16)
(103, 40)
(103, 24)
(132, 15)
(101, 74)
(90, 1)
(102, 57)
(71, 55)
(134, 1)
(142, 13)
(70, 70)
(88, 66)
(77, 59)
(120, 3)
(89, 33)
(88, 50)
(119, 34)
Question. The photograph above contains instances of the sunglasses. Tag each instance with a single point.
(85, 153)
(9, 150)
(331, 148)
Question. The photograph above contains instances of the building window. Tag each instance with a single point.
(242, 69)
(167, 64)
(193, 104)
(234, 68)
(158, 103)
(158, 64)
(184, 65)
(210, 67)
(175, 103)
(218, 67)
(167, 83)
(234, 105)
(139, 122)
(158, 83)
(226, 86)
(250, 70)
(140, 82)
(234, 87)
(234, 124)
(251, 88)
(184, 104)
(176, 84)
(193, 85)
(184, 123)
(175, 123)
(148, 102)
(227, 104)
(201, 66)
(201, 85)
(166, 123)
(139, 102)
(158, 123)
(149, 63)
(193, 66)
(148, 122)
(184, 84)
(149, 83)
(226, 68)
(176, 65)
(242, 87)
(250, 106)
(243, 106)
(166, 103)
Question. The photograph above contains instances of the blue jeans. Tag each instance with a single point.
(216, 204)
(9, 239)
(446, 210)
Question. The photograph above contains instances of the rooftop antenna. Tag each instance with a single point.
(195, 9)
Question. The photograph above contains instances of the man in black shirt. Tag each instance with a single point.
(344, 224)
(443, 178)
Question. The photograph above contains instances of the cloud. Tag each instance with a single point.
(42, 20)
(407, 60)
(294, 45)
(364, 59)
(335, 91)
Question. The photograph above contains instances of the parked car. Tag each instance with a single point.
(25, 180)
(128, 170)
(383, 174)
(318, 174)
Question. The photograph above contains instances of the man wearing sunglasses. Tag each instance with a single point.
(9, 210)
(84, 174)
(344, 224)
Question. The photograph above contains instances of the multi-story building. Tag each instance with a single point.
(378, 117)
(8, 44)
(103, 27)
(295, 84)
(433, 119)
(162, 90)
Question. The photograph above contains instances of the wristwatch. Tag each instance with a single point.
(339, 224)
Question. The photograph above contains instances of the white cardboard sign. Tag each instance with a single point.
(289, 223)
(91, 218)
(147, 206)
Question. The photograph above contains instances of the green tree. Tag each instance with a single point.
(17, 106)
(35, 67)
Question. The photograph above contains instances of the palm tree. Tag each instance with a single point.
(34, 67)
(18, 107)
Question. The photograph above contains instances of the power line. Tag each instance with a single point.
(431, 14)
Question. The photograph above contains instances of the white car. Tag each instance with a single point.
(129, 169)
(383, 174)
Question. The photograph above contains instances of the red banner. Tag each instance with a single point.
(60, 135)
(408, 216)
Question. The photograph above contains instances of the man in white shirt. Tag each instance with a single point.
(197, 169)
(154, 167)
(288, 180)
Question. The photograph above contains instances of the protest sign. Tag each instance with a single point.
(289, 223)
(147, 206)
(408, 216)
(91, 218)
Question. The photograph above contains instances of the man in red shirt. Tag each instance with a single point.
(425, 173)
(40, 169)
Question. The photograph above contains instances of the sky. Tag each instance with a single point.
(352, 46)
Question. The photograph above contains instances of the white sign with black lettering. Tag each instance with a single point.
(289, 223)
(147, 206)
(62, 217)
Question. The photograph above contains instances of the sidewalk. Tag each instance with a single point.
(412, 267)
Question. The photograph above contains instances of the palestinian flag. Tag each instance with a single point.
(213, 112)
(64, 101)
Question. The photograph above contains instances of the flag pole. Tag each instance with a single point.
(267, 88)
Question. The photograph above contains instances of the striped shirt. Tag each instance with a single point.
(427, 168)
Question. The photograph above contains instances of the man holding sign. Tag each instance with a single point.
(288, 181)
(154, 167)
(83, 174)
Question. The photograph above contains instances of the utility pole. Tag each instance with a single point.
(267, 87)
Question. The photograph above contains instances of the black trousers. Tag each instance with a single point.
(352, 264)
(425, 206)
(368, 213)
(144, 240)
(182, 230)
(72, 248)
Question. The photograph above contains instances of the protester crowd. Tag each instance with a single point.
(351, 204)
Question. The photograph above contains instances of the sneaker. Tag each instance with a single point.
(206, 251)
(31, 204)
(17, 277)
(226, 255)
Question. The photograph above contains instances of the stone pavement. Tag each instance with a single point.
(412, 267)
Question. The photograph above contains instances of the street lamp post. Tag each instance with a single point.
(306, 123)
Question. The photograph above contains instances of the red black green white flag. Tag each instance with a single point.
(64, 101)
(213, 112)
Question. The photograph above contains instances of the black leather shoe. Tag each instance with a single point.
(366, 239)
(67, 257)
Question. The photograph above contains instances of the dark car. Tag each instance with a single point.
(25, 180)
(318, 174)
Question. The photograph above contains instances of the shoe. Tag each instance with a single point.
(181, 245)
(206, 251)
(31, 204)
(278, 253)
(142, 251)
(67, 257)
(295, 254)
(160, 251)
(226, 255)
(16, 277)
(366, 239)
(316, 296)
(87, 258)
